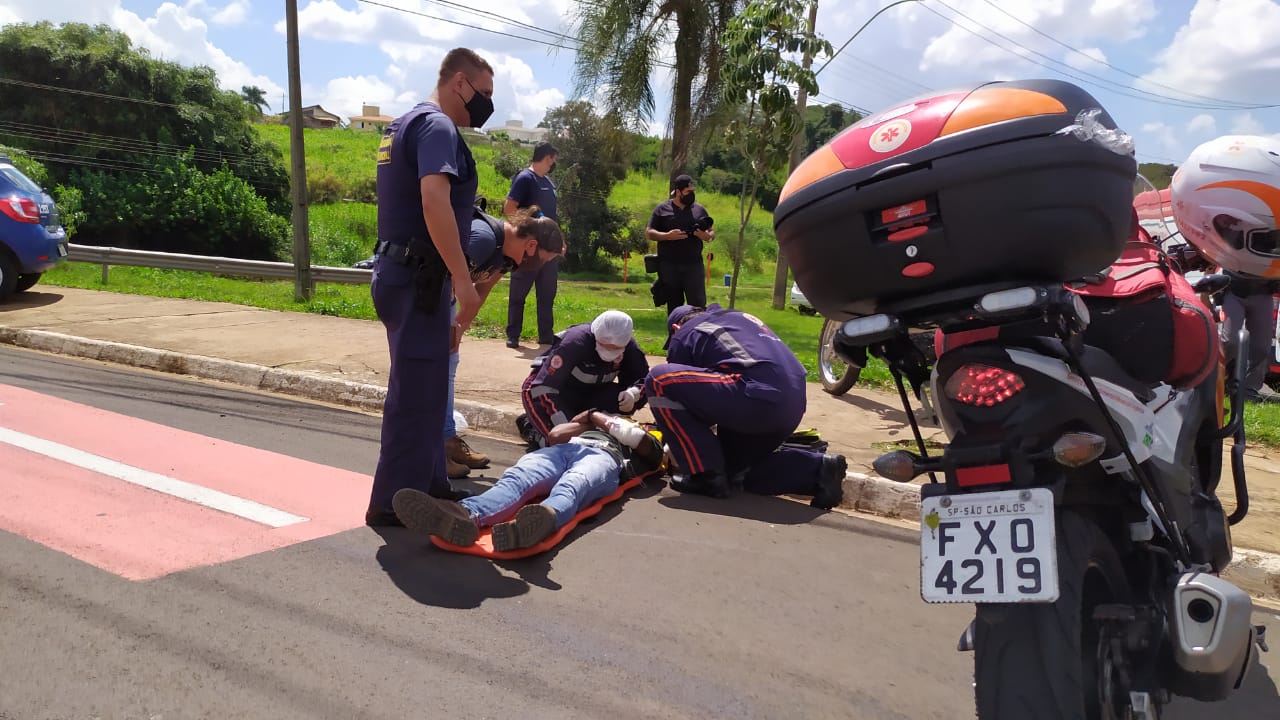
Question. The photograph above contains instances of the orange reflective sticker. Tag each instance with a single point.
(823, 163)
(985, 106)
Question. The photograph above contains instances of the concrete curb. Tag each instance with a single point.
(312, 386)
(1256, 572)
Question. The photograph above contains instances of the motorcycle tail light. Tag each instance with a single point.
(983, 385)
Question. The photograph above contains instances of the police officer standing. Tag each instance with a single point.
(593, 365)
(727, 369)
(680, 226)
(530, 187)
(427, 184)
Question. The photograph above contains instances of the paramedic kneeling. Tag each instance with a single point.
(727, 369)
(584, 461)
(592, 365)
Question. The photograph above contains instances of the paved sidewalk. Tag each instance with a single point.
(345, 361)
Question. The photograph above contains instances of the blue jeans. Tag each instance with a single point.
(571, 476)
(450, 427)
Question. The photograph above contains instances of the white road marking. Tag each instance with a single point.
(230, 504)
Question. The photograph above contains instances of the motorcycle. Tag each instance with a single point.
(1075, 503)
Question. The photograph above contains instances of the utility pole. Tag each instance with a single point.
(797, 149)
(301, 239)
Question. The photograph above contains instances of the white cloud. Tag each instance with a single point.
(1247, 124)
(1203, 123)
(175, 34)
(1075, 23)
(1086, 59)
(234, 13)
(1164, 134)
(1227, 49)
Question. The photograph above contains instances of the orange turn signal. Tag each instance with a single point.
(823, 163)
(985, 106)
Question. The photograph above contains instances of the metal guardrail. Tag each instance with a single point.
(108, 256)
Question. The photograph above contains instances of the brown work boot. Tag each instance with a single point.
(458, 451)
(443, 518)
(455, 470)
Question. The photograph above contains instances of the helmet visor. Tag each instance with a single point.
(1264, 242)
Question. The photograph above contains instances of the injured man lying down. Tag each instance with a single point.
(584, 461)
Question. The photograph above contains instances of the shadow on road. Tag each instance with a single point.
(30, 299)
(437, 577)
(1257, 698)
(775, 511)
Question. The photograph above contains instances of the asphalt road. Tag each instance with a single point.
(665, 607)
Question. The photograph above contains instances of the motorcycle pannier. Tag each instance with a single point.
(1147, 317)
(1009, 183)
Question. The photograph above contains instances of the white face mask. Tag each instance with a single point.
(608, 355)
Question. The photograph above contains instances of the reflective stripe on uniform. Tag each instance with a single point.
(727, 341)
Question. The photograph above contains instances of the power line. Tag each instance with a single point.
(143, 101)
(123, 144)
(1097, 80)
(508, 21)
(1104, 62)
(466, 25)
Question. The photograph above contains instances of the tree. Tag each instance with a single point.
(762, 44)
(622, 43)
(255, 96)
(95, 101)
(1160, 174)
(594, 152)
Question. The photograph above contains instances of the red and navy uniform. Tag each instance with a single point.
(726, 369)
(570, 377)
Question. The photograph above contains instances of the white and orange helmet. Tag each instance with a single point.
(1226, 202)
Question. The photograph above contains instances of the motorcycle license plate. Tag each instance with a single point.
(62, 250)
(995, 547)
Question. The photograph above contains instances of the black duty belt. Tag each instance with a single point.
(400, 254)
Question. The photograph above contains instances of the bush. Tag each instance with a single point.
(177, 208)
(323, 189)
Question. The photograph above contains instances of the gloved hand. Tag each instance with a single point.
(628, 398)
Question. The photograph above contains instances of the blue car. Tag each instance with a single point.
(31, 236)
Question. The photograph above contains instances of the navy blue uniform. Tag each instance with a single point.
(422, 142)
(529, 188)
(727, 369)
(571, 377)
(680, 266)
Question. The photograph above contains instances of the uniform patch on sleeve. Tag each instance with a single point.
(384, 149)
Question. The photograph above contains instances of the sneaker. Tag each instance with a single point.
(1267, 395)
(513, 343)
(455, 470)
(443, 518)
(531, 525)
(830, 482)
(457, 450)
(531, 437)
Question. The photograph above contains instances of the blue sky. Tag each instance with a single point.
(1174, 73)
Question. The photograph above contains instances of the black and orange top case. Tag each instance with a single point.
(976, 187)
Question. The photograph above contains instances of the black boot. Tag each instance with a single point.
(830, 482)
(712, 484)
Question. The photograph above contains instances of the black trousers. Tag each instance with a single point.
(685, 281)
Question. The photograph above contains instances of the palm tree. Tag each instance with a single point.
(255, 96)
(624, 41)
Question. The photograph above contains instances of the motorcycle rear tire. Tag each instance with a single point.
(837, 375)
(1041, 661)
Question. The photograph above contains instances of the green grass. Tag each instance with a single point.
(578, 301)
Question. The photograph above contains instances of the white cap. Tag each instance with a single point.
(612, 327)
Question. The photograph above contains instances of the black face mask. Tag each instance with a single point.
(688, 198)
(551, 169)
(479, 107)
